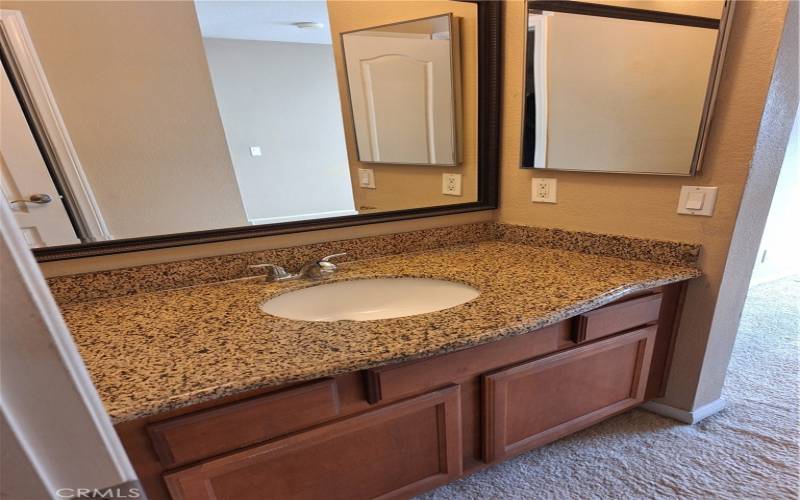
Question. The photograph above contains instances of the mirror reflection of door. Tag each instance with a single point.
(401, 89)
(25, 180)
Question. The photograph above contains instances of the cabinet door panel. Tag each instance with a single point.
(394, 451)
(539, 401)
(203, 434)
(618, 317)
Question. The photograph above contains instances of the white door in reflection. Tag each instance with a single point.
(401, 92)
(24, 176)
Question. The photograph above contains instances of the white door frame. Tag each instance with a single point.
(538, 24)
(46, 394)
(35, 81)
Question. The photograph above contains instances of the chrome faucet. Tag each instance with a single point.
(320, 269)
(314, 270)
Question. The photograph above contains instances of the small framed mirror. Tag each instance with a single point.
(404, 86)
(612, 88)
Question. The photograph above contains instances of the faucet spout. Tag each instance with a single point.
(320, 269)
(315, 270)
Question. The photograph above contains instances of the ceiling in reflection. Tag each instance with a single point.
(263, 21)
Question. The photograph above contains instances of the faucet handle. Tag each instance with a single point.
(278, 272)
(329, 257)
(322, 268)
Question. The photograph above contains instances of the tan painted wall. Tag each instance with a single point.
(645, 206)
(132, 84)
(771, 145)
(403, 186)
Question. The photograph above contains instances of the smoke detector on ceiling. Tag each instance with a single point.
(309, 25)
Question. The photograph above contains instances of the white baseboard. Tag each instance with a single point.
(685, 416)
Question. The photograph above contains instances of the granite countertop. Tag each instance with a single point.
(153, 352)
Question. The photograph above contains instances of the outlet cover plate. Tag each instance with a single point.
(543, 190)
(451, 184)
(366, 178)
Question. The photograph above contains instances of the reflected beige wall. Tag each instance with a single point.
(625, 96)
(644, 205)
(282, 97)
(405, 186)
(133, 87)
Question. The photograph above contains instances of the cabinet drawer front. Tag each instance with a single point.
(537, 402)
(394, 451)
(617, 318)
(404, 379)
(207, 433)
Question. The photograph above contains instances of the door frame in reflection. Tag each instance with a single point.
(44, 118)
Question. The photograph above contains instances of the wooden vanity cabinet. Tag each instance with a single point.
(539, 401)
(393, 452)
(401, 429)
(206, 433)
(620, 316)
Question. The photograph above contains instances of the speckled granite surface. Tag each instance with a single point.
(169, 275)
(153, 352)
(611, 245)
(155, 277)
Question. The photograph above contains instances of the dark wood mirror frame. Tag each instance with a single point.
(489, 81)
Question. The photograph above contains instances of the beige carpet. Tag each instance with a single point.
(747, 451)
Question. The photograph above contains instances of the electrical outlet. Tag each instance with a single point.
(543, 190)
(451, 184)
(366, 178)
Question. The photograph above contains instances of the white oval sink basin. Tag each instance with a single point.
(369, 299)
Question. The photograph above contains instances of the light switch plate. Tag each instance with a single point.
(451, 184)
(543, 190)
(255, 150)
(697, 200)
(366, 178)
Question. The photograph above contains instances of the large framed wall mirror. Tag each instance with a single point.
(139, 125)
(615, 87)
